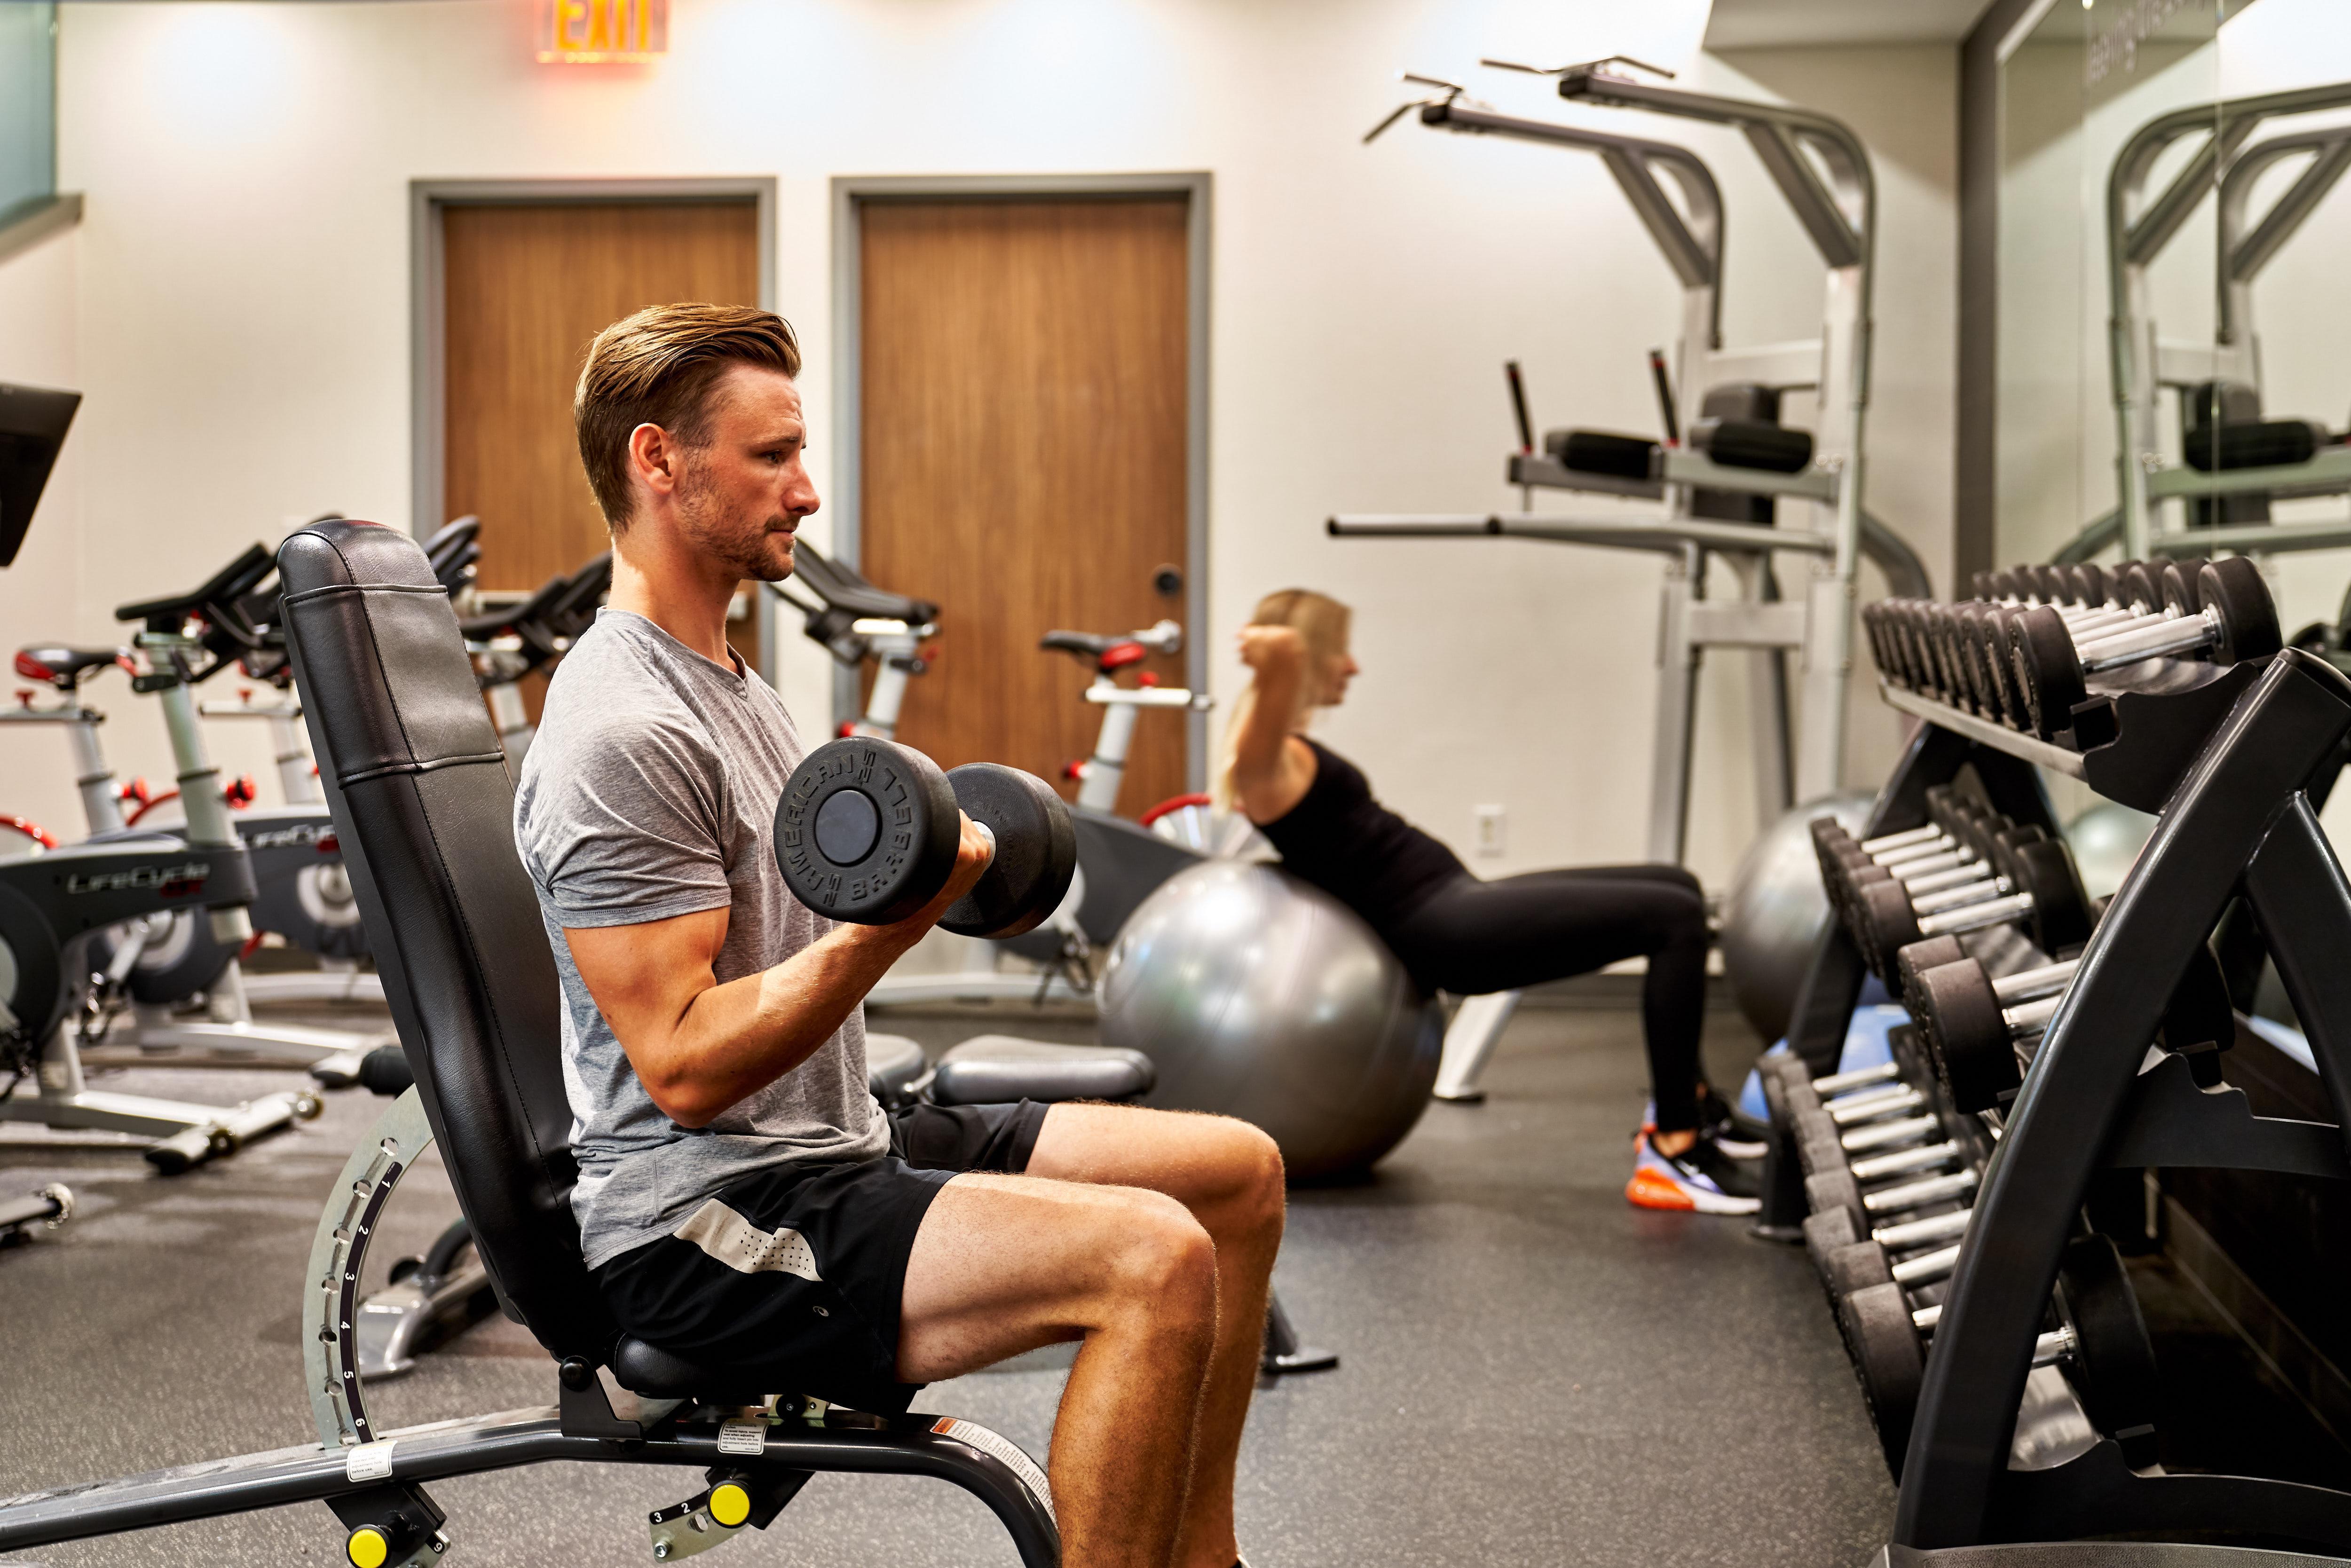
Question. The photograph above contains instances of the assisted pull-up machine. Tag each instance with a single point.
(2234, 461)
(1705, 489)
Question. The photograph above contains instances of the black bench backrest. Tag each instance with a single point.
(423, 806)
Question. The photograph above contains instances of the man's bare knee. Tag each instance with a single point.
(1247, 1184)
(1164, 1264)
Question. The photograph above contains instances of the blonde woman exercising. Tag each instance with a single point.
(1459, 934)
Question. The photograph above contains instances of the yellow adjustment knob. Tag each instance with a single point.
(730, 1505)
(368, 1547)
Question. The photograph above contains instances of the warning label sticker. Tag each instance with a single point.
(744, 1438)
(1001, 1447)
(369, 1461)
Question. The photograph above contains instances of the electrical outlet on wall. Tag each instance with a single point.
(1493, 829)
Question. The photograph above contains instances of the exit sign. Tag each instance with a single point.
(603, 31)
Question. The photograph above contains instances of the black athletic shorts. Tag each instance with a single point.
(797, 1273)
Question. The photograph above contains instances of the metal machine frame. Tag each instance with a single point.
(1839, 215)
(2142, 363)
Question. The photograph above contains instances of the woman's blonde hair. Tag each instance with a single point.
(1321, 622)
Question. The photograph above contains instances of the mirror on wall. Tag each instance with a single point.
(2107, 114)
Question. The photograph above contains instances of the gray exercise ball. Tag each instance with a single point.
(2107, 840)
(1771, 917)
(1259, 996)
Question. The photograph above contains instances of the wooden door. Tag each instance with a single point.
(526, 287)
(1023, 459)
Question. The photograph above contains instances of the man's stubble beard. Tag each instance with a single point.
(739, 543)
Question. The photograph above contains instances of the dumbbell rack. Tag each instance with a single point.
(2226, 758)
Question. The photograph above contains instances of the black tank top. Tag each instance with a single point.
(1348, 844)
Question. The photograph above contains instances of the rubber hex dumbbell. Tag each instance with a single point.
(867, 833)
(2227, 616)
(2100, 1340)
(1982, 853)
(1833, 1190)
(1827, 1229)
(2037, 888)
(1975, 855)
(1972, 1024)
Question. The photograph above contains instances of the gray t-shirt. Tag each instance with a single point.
(650, 791)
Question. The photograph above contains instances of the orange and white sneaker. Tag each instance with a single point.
(1701, 1180)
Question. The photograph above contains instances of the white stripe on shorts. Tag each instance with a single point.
(743, 1247)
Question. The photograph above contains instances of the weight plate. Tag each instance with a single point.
(1827, 1231)
(1959, 1016)
(1890, 1361)
(2062, 916)
(1855, 1268)
(2182, 590)
(2139, 586)
(2048, 668)
(1836, 1188)
(1035, 850)
(866, 830)
(2113, 1365)
(2249, 624)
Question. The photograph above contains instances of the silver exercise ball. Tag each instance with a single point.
(1259, 997)
(1772, 918)
(2106, 840)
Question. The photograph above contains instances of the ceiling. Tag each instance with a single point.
(1767, 24)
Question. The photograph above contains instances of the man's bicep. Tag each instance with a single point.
(643, 977)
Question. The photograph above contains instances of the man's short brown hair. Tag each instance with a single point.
(657, 367)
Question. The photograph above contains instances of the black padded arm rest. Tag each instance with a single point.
(845, 589)
(417, 783)
(240, 577)
(994, 1069)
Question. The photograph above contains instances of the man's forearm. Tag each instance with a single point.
(735, 1038)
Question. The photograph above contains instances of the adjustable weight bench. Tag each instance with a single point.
(421, 803)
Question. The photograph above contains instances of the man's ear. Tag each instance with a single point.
(653, 459)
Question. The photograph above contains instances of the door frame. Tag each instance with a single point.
(850, 194)
(428, 200)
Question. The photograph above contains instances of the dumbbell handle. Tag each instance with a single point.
(1878, 1134)
(2031, 1018)
(1925, 1266)
(1919, 1194)
(1838, 1082)
(1871, 1107)
(1960, 871)
(1977, 916)
(1886, 841)
(1936, 901)
(2155, 639)
(1904, 1161)
(2048, 1349)
(1919, 1232)
(2028, 985)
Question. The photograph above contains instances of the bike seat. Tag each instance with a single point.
(1090, 645)
(992, 1069)
(654, 1372)
(231, 583)
(63, 667)
(843, 589)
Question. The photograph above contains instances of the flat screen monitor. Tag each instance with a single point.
(33, 421)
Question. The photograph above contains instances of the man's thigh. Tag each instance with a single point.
(1201, 1161)
(1003, 1264)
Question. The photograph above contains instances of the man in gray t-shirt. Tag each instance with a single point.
(650, 792)
(742, 1200)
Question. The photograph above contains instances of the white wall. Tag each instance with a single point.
(37, 595)
(243, 301)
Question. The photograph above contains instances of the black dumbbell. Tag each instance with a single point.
(1981, 848)
(2224, 611)
(1826, 1230)
(1974, 856)
(1830, 1189)
(1972, 1024)
(2100, 1340)
(2036, 888)
(867, 833)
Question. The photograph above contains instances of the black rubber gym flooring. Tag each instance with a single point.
(1534, 1372)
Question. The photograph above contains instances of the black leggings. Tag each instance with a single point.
(1471, 938)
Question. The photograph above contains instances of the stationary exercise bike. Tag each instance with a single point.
(525, 638)
(158, 969)
(59, 907)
